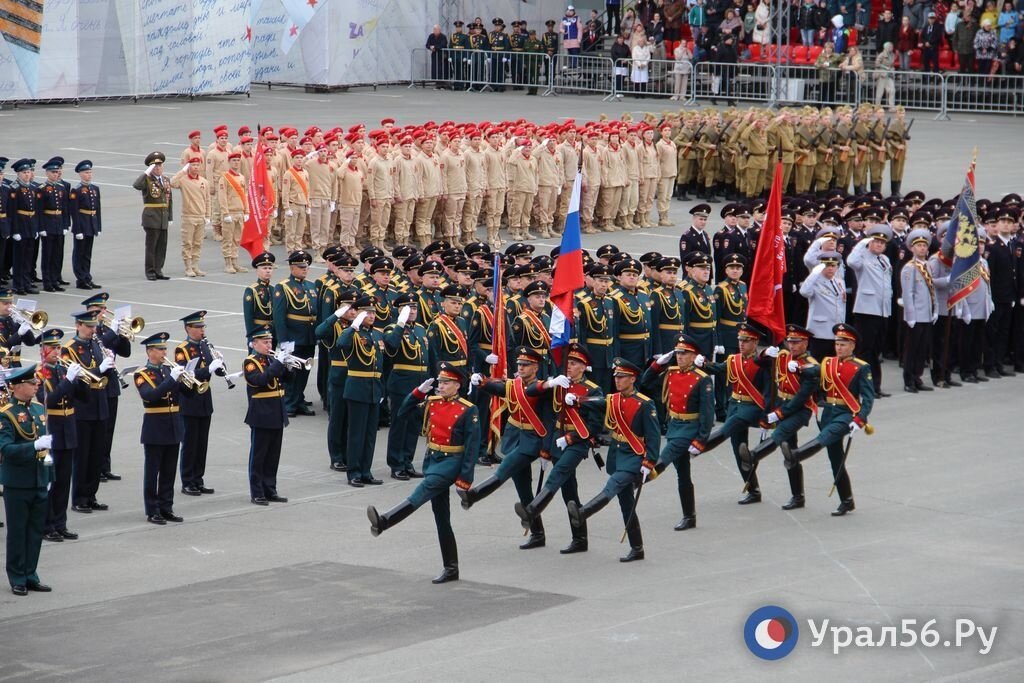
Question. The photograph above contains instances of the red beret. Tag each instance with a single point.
(221, 131)
(235, 155)
(298, 153)
(306, 140)
(194, 134)
(407, 140)
(272, 136)
(245, 140)
(195, 160)
(244, 130)
(385, 122)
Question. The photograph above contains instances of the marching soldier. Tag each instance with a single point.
(405, 344)
(294, 313)
(731, 306)
(162, 429)
(632, 319)
(632, 421)
(86, 225)
(451, 425)
(26, 471)
(196, 403)
(666, 305)
(595, 311)
(447, 333)
(362, 349)
(258, 299)
(699, 311)
(54, 222)
(689, 402)
(266, 416)
(530, 327)
(849, 395)
(195, 214)
(919, 310)
(24, 207)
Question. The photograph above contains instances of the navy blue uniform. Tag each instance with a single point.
(267, 419)
(162, 432)
(54, 219)
(86, 220)
(196, 412)
(92, 412)
(56, 393)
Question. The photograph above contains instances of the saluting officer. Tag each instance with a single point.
(405, 344)
(86, 225)
(196, 403)
(162, 429)
(266, 415)
(157, 213)
(295, 310)
(451, 425)
(258, 299)
(873, 306)
(26, 471)
(328, 332)
(362, 348)
(919, 310)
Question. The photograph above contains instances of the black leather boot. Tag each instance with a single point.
(794, 456)
(689, 503)
(479, 492)
(636, 542)
(536, 539)
(796, 487)
(877, 187)
(579, 542)
(578, 516)
(382, 522)
(681, 194)
(845, 506)
(450, 559)
(717, 437)
(894, 185)
(762, 450)
(536, 506)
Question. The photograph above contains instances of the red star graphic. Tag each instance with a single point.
(293, 31)
(248, 33)
(311, 3)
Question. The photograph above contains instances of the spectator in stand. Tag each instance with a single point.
(823, 37)
(436, 44)
(907, 41)
(888, 29)
(930, 41)
(702, 44)
(640, 75)
(697, 17)
(1008, 20)
(971, 7)
(681, 70)
(952, 19)
(990, 13)
(826, 64)
(844, 8)
(614, 11)
(914, 9)
(621, 54)
(595, 21)
(985, 43)
(713, 11)
(852, 67)
(571, 32)
(643, 11)
(862, 16)
(628, 20)
(822, 19)
(1014, 65)
(656, 29)
(638, 36)
(840, 34)
(762, 23)
(731, 24)
(941, 9)
(591, 38)
(749, 22)
(885, 62)
(725, 54)
(806, 21)
(963, 41)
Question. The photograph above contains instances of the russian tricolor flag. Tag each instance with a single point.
(568, 276)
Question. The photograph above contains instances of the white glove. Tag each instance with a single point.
(66, 231)
(854, 428)
(816, 270)
(911, 323)
(644, 471)
(288, 213)
(273, 214)
(403, 315)
(426, 385)
(559, 381)
(245, 218)
(935, 316)
(308, 211)
(44, 442)
(24, 329)
(967, 316)
(699, 361)
(334, 206)
(79, 236)
(342, 310)
(793, 366)
(694, 451)
(772, 352)
(545, 464)
(665, 358)
(106, 364)
(359, 320)
(491, 359)
(719, 349)
(228, 219)
(899, 302)
(41, 235)
(773, 417)
(17, 237)
(571, 399)
(820, 241)
(176, 372)
(149, 170)
(475, 379)
(279, 356)
(216, 365)
(74, 370)
(866, 241)
(562, 442)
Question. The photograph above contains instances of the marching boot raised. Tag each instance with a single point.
(534, 508)
(477, 493)
(382, 522)
(796, 487)
(578, 515)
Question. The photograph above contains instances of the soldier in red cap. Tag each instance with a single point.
(216, 165)
(196, 208)
(295, 201)
(194, 149)
(321, 172)
(233, 197)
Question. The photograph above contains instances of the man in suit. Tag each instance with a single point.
(826, 302)
(157, 213)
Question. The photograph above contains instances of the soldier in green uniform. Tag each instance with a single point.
(731, 306)
(595, 314)
(533, 60)
(530, 328)
(428, 294)
(327, 288)
(707, 147)
(686, 158)
(517, 63)
(258, 299)
(327, 333)
(26, 471)
(699, 310)
(447, 333)
(550, 39)
(500, 47)
(481, 358)
(481, 57)
(631, 324)
(405, 345)
(295, 309)
(157, 213)
(362, 348)
(379, 289)
(458, 42)
(667, 319)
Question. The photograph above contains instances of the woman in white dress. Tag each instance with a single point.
(762, 23)
(640, 74)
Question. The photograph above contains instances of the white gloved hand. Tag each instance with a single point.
(359, 320)
(41, 235)
(699, 361)
(911, 323)
(24, 329)
(866, 241)
(899, 302)
(967, 316)
(772, 352)
(665, 358)
(149, 169)
(426, 385)
(475, 379)
(491, 359)
(308, 211)
(644, 471)
(854, 428)
(44, 442)
(562, 442)
(545, 464)
(719, 349)
(820, 241)
(74, 370)
(79, 236)
(334, 207)
(773, 417)
(279, 356)
(106, 364)
(935, 316)
(16, 237)
(816, 270)
(66, 231)
(342, 310)
(694, 451)
(177, 372)
(288, 213)
(792, 366)
(571, 399)
(245, 218)
(228, 219)
(559, 381)
(403, 315)
(216, 365)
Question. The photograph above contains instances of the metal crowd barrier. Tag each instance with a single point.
(977, 93)
(581, 74)
(816, 87)
(734, 82)
(653, 78)
(912, 89)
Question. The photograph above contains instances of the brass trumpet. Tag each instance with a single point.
(189, 379)
(35, 319)
(86, 376)
(295, 362)
(126, 327)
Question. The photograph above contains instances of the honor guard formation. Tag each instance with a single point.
(662, 367)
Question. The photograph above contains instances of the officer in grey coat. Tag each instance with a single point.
(826, 307)
(873, 305)
(919, 310)
(942, 360)
(974, 311)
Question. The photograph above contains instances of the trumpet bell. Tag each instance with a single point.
(38, 319)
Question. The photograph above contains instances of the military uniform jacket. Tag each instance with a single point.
(632, 422)
(481, 337)
(874, 281)
(530, 329)
(11, 338)
(847, 388)
(1003, 271)
(632, 319)
(21, 467)
(120, 346)
(940, 270)
(499, 41)
(258, 304)
(731, 304)
(157, 207)
(161, 419)
(6, 189)
(731, 240)
(194, 404)
(23, 210)
(92, 405)
(56, 394)
(447, 340)
(666, 317)
(530, 419)
(826, 304)
(363, 352)
(452, 429)
(54, 212)
(595, 316)
(693, 240)
(919, 304)
(795, 391)
(458, 41)
(747, 377)
(688, 397)
(85, 210)
(265, 392)
(382, 298)
(295, 309)
(572, 422)
(328, 332)
(700, 313)
(406, 348)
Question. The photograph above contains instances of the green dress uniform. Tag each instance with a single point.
(258, 305)
(530, 329)
(594, 322)
(481, 59)
(295, 310)
(458, 43)
(700, 314)
(447, 341)
(631, 325)
(328, 332)
(26, 476)
(517, 65)
(481, 345)
(428, 299)
(327, 288)
(500, 47)
(157, 214)
(731, 306)
(363, 352)
(667, 319)
(406, 348)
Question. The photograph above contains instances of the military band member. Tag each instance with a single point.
(86, 225)
(362, 349)
(162, 428)
(54, 221)
(26, 472)
(56, 391)
(451, 426)
(796, 380)
(196, 404)
(632, 421)
(157, 214)
(595, 311)
(13, 335)
(567, 444)
(849, 395)
(23, 208)
(266, 416)
(405, 344)
(112, 344)
(294, 312)
(919, 310)
(631, 324)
